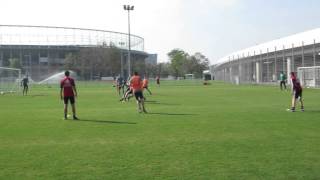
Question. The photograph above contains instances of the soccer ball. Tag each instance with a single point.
(1, 92)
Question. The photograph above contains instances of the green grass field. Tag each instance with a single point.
(192, 131)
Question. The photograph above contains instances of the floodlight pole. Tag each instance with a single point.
(121, 59)
(129, 8)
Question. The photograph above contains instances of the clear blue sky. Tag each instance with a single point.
(212, 27)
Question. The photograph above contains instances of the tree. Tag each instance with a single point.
(164, 69)
(113, 55)
(151, 70)
(196, 64)
(15, 63)
(95, 62)
(181, 63)
(178, 60)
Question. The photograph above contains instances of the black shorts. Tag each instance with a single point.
(138, 95)
(67, 99)
(298, 94)
(119, 86)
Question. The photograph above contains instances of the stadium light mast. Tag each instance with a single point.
(129, 8)
(121, 59)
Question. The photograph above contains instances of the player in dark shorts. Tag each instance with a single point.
(283, 79)
(296, 90)
(120, 85)
(136, 84)
(24, 83)
(68, 92)
(158, 80)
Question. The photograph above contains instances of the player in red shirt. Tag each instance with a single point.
(68, 87)
(136, 84)
(296, 90)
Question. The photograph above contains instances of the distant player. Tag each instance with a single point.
(158, 80)
(120, 85)
(136, 84)
(296, 90)
(24, 83)
(283, 79)
(145, 83)
(68, 86)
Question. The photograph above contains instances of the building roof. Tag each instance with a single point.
(66, 36)
(296, 40)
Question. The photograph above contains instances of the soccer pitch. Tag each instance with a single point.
(192, 131)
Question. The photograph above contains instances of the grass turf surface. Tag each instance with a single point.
(192, 131)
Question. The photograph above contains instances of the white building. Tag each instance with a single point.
(264, 63)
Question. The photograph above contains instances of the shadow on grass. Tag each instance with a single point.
(312, 111)
(101, 121)
(172, 114)
(151, 101)
(167, 104)
(37, 95)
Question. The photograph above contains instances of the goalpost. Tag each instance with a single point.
(309, 76)
(9, 80)
(189, 76)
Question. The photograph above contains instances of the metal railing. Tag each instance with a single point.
(66, 36)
